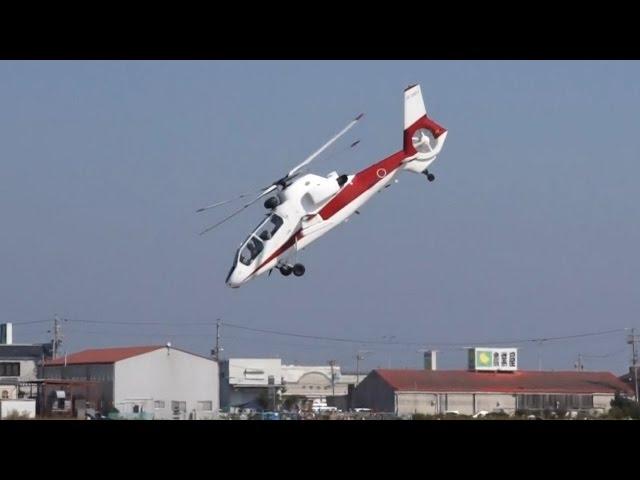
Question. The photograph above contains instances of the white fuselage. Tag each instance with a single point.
(310, 207)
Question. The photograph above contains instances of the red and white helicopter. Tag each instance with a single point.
(305, 207)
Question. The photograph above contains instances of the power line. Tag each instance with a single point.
(31, 322)
(180, 324)
(458, 344)
(336, 339)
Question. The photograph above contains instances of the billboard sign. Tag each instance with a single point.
(493, 359)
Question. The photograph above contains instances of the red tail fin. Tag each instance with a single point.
(415, 120)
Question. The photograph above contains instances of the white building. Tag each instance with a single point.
(157, 382)
(19, 366)
(254, 383)
(313, 381)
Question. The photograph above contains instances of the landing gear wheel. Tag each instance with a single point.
(298, 269)
(285, 270)
(431, 177)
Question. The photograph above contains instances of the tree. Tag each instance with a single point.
(624, 408)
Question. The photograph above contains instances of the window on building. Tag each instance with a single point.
(158, 404)
(178, 407)
(205, 406)
(10, 369)
(5, 394)
(136, 409)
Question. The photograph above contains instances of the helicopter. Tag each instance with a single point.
(305, 206)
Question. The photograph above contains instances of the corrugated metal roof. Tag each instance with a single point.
(103, 355)
(568, 382)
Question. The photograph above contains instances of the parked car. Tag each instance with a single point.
(480, 414)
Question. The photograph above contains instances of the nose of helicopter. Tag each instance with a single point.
(234, 279)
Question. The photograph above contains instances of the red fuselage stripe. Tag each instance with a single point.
(361, 182)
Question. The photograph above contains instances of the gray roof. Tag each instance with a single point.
(24, 352)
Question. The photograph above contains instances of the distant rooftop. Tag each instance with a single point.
(103, 355)
(567, 382)
(24, 351)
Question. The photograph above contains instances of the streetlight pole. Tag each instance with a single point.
(632, 340)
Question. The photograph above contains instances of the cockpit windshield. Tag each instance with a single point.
(254, 246)
(268, 229)
(251, 250)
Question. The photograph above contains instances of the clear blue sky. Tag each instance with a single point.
(531, 228)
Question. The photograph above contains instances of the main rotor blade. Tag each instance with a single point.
(266, 192)
(325, 146)
(224, 202)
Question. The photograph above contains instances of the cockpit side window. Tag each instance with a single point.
(270, 227)
(251, 250)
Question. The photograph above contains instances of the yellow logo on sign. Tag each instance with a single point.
(483, 358)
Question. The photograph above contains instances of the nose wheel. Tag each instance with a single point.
(297, 269)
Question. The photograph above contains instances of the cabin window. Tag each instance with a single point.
(251, 250)
(269, 228)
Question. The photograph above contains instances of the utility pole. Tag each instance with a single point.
(632, 339)
(333, 388)
(216, 352)
(579, 366)
(57, 336)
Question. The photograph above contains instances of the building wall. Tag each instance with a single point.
(408, 403)
(253, 372)
(94, 372)
(8, 392)
(19, 407)
(167, 376)
(28, 369)
(374, 393)
(461, 402)
(99, 396)
(244, 380)
(314, 384)
(602, 401)
(490, 402)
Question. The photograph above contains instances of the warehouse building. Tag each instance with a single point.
(159, 382)
(406, 392)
